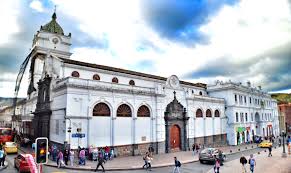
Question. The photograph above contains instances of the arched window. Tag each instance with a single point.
(131, 82)
(143, 111)
(124, 111)
(75, 74)
(216, 113)
(199, 113)
(115, 80)
(96, 77)
(200, 93)
(208, 113)
(101, 109)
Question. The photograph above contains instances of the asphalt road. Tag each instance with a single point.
(195, 167)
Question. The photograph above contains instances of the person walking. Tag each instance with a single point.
(149, 160)
(177, 165)
(72, 156)
(216, 164)
(252, 163)
(60, 159)
(270, 151)
(100, 162)
(66, 156)
(193, 149)
(145, 161)
(243, 161)
(82, 156)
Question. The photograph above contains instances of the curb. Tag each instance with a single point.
(5, 166)
(133, 168)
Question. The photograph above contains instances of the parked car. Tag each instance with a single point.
(10, 147)
(265, 144)
(21, 164)
(207, 155)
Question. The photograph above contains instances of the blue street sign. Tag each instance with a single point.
(78, 135)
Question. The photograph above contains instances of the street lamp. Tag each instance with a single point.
(284, 152)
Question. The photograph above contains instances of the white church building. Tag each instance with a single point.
(86, 104)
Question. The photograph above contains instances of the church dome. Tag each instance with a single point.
(53, 26)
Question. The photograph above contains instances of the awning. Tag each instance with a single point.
(240, 129)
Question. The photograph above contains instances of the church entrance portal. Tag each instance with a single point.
(175, 137)
(176, 127)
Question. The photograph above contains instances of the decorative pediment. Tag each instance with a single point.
(175, 110)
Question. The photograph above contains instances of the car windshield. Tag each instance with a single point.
(10, 144)
(5, 132)
(208, 150)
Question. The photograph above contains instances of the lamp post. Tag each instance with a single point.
(284, 152)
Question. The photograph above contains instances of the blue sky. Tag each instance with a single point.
(198, 40)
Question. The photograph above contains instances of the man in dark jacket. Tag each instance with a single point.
(100, 162)
(243, 161)
(177, 165)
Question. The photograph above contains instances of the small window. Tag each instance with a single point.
(192, 91)
(208, 113)
(199, 113)
(245, 99)
(115, 80)
(216, 113)
(235, 98)
(250, 100)
(96, 77)
(200, 93)
(246, 117)
(236, 117)
(75, 74)
(131, 82)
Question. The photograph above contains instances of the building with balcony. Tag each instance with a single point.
(249, 111)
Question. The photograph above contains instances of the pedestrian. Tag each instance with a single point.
(193, 149)
(270, 151)
(243, 162)
(60, 159)
(149, 160)
(2, 157)
(252, 163)
(82, 157)
(177, 165)
(151, 150)
(72, 156)
(216, 164)
(66, 156)
(100, 162)
(220, 157)
(145, 161)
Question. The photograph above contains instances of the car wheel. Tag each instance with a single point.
(201, 161)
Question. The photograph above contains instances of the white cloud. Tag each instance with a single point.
(36, 5)
(9, 11)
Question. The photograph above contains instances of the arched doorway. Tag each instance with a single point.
(248, 136)
(175, 137)
(263, 132)
(238, 138)
(253, 135)
(243, 137)
(258, 125)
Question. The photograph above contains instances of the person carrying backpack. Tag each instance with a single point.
(252, 163)
(177, 165)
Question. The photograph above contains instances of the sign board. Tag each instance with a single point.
(78, 135)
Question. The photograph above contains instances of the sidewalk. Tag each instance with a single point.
(264, 164)
(136, 162)
(4, 167)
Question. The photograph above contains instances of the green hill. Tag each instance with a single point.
(282, 97)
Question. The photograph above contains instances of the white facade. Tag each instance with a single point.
(249, 111)
(75, 91)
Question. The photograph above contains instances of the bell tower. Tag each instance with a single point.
(50, 41)
(49, 44)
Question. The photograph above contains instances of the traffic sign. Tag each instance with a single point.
(78, 135)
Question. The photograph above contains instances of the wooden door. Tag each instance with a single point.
(175, 137)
